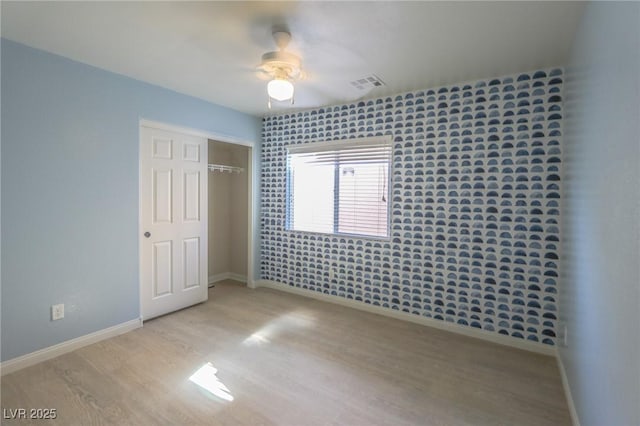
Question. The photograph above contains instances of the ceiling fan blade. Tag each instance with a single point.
(262, 75)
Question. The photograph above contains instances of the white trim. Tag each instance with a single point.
(254, 187)
(218, 277)
(227, 276)
(454, 328)
(237, 277)
(195, 132)
(575, 420)
(253, 215)
(44, 354)
(318, 147)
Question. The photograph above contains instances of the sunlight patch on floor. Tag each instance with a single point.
(286, 322)
(207, 379)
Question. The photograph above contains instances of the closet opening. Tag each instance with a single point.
(229, 192)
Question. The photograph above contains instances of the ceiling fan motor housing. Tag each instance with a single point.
(279, 63)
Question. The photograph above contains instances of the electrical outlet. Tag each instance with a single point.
(57, 312)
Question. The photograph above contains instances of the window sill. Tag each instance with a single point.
(386, 239)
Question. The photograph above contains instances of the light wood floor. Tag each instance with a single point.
(289, 360)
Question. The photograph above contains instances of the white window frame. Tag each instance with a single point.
(327, 146)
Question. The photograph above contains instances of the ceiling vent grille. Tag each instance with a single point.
(367, 83)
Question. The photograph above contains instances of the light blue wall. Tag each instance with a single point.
(600, 301)
(70, 191)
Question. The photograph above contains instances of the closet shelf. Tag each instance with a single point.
(225, 168)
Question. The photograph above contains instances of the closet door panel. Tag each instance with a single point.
(162, 269)
(173, 221)
(191, 196)
(162, 195)
(191, 263)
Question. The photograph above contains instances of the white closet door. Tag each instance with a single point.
(173, 218)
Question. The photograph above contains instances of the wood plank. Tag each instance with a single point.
(290, 360)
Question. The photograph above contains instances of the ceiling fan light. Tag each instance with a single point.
(280, 89)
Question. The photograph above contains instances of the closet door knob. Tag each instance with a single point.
(147, 234)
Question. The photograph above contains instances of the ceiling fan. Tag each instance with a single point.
(282, 68)
(337, 77)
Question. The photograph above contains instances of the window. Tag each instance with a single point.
(340, 187)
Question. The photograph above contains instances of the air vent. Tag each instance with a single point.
(367, 83)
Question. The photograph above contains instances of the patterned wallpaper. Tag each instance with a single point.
(474, 205)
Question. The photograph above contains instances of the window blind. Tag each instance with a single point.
(340, 187)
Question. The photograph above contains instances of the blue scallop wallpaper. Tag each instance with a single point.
(475, 203)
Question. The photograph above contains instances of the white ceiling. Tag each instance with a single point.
(210, 49)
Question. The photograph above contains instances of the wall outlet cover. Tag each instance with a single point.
(57, 312)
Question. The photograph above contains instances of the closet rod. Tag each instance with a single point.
(225, 168)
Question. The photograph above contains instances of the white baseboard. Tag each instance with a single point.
(567, 391)
(227, 276)
(218, 277)
(454, 328)
(237, 277)
(44, 354)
